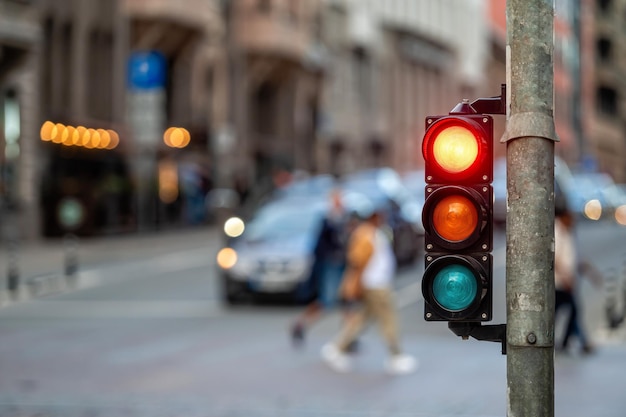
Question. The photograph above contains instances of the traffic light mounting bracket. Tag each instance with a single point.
(490, 333)
(485, 105)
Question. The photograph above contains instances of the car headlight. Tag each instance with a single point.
(234, 227)
(593, 209)
(226, 258)
(229, 260)
(620, 215)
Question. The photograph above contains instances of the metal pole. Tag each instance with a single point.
(70, 246)
(530, 140)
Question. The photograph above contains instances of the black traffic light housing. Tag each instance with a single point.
(458, 218)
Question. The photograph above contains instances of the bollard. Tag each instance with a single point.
(612, 316)
(615, 288)
(70, 245)
(13, 274)
(623, 283)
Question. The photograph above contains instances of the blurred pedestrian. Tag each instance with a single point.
(367, 288)
(328, 266)
(567, 267)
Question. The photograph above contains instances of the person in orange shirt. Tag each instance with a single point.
(367, 287)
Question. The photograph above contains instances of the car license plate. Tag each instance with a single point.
(272, 283)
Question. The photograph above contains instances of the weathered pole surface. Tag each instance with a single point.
(530, 137)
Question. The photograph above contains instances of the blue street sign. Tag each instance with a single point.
(146, 70)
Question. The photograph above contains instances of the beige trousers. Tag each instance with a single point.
(377, 306)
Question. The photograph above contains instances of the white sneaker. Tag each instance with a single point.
(335, 359)
(401, 364)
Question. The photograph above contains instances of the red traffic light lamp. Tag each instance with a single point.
(458, 148)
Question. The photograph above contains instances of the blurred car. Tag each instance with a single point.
(616, 197)
(562, 179)
(587, 197)
(403, 212)
(415, 183)
(386, 191)
(620, 211)
(315, 185)
(273, 252)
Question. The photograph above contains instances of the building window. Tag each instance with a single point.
(362, 77)
(47, 90)
(606, 99)
(605, 5)
(265, 110)
(603, 49)
(264, 6)
(292, 11)
(12, 122)
(64, 72)
(99, 64)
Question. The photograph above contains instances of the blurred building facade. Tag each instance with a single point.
(20, 37)
(76, 73)
(266, 87)
(276, 70)
(496, 68)
(566, 69)
(390, 64)
(566, 61)
(603, 95)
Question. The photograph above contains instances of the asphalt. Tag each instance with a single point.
(590, 385)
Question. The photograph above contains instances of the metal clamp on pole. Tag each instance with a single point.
(489, 333)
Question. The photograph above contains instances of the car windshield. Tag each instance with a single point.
(414, 182)
(278, 221)
(590, 185)
(369, 188)
(317, 185)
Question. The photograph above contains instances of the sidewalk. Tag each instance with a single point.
(42, 263)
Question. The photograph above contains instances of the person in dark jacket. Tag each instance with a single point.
(329, 265)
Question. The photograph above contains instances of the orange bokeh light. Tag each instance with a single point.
(176, 137)
(46, 131)
(79, 136)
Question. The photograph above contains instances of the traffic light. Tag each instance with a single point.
(457, 216)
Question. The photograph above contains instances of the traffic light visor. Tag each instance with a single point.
(455, 218)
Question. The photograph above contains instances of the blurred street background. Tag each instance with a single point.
(132, 130)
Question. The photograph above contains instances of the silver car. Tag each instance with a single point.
(272, 254)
